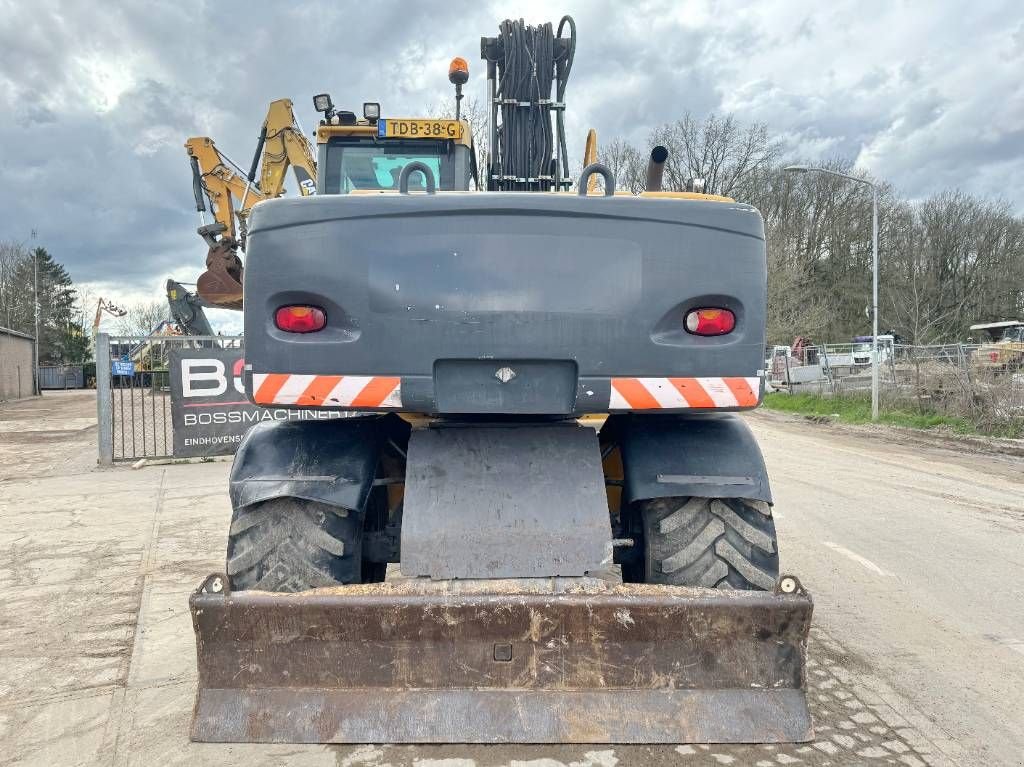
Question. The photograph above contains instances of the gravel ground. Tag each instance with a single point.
(911, 552)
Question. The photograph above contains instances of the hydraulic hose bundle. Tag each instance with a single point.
(524, 65)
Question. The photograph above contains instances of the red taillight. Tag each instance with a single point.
(710, 322)
(300, 319)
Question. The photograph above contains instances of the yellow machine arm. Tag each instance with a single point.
(590, 157)
(232, 193)
(284, 144)
(222, 183)
(103, 305)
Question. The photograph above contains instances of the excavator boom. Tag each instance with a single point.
(285, 146)
(231, 195)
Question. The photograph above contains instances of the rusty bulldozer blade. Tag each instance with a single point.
(221, 284)
(509, 661)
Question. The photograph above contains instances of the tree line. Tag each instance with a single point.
(946, 262)
(67, 313)
(63, 327)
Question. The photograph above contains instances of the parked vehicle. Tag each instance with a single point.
(1005, 350)
(861, 354)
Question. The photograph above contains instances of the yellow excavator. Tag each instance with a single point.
(226, 192)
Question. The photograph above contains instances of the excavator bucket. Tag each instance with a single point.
(556, 660)
(221, 284)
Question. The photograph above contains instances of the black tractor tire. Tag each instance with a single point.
(709, 542)
(290, 544)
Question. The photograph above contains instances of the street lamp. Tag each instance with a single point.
(874, 271)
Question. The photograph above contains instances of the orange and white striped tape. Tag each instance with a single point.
(327, 391)
(674, 393)
(386, 392)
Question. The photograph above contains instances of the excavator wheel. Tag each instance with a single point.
(709, 542)
(290, 544)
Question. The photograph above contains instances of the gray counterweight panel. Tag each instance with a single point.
(409, 281)
(503, 272)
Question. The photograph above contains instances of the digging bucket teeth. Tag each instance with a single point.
(501, 661)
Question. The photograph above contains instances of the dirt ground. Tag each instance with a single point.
(912, 552)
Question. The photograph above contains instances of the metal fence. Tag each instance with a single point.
(61, 376)
(133, 392)
(848, 366)
(955, 378)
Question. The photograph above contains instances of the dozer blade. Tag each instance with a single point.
(501, 661)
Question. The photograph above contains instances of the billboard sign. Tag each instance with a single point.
(209, 409)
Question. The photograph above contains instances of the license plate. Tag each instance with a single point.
(435, 129)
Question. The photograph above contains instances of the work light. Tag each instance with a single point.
(322, 103)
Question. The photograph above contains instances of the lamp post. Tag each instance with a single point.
(874, 271)
(35, 312)
(35, 307)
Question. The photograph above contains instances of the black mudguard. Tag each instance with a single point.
(331, 461)
(711, 456)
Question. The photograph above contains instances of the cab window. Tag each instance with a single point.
(376, 166)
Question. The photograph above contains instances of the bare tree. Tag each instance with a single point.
(142, 318)
(718, 149)
(15, 296)
(796, 307)
(823, 226)
(627, 164)
(955, 260)
(474, 111)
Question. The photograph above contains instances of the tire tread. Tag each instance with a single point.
(291, 544)
(710, 542)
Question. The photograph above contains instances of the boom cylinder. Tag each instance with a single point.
(656, 168)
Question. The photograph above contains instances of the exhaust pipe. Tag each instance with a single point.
(656, 168)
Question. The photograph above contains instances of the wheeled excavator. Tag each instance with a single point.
(222, 189)
(545, 521)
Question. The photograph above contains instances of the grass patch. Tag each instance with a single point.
(857, 409)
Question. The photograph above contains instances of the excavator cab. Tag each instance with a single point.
(369, 155)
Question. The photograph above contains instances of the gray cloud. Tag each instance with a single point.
(99, 99)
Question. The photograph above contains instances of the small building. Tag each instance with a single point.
(16, 355)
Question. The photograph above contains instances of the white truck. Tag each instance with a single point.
(862, 349)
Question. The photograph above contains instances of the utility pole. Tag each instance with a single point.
(874, 304)
(874, 270)
(35, 303)
(6, 294)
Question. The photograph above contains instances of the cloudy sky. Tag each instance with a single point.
(98, 98)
